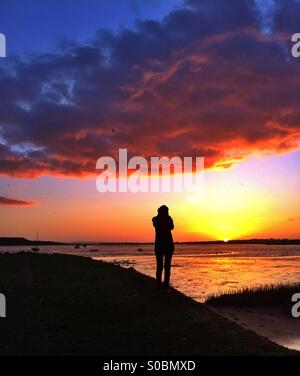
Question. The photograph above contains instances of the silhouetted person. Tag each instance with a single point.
(164, 246)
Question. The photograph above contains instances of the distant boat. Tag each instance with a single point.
(94, 250)
(77, 246)
(140, 249)
(36, 249)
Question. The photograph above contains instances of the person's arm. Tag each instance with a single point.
(171, 224)
(154, 222)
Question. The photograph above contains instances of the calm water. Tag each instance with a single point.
(201, 270)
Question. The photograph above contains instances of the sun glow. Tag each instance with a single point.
(226, 211)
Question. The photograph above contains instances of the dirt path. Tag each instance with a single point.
(21, 331)
(92, 308)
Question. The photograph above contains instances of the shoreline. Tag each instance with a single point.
(268, 322)
(72, 305)
(21, 241)
(267, 310)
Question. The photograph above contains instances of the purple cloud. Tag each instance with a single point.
(8, 201)
(204, 81)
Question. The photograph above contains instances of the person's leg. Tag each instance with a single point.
(159, 267)
(168, 259)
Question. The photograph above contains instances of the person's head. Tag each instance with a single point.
(163, 210)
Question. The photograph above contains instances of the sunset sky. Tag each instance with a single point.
(190, 78)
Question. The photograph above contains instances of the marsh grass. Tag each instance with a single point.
(263, 296)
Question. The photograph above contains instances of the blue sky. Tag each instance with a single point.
(37, 26)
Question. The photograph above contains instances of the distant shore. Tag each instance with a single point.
(71, 305)
(13, 241)
(20, 241)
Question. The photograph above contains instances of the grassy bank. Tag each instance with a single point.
(266, 296)
(71, 305)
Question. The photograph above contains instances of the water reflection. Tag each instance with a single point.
(200, 277)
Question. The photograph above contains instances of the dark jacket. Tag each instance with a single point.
(163, 225)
